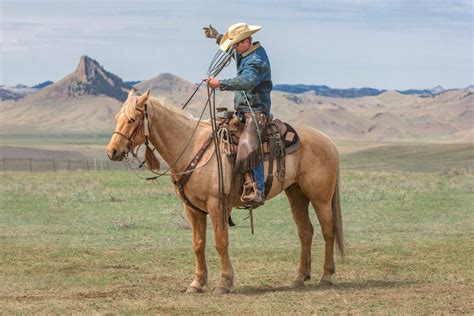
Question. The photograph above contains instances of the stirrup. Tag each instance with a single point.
(251, 196)
(249, 192)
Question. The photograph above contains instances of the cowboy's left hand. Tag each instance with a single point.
(213, 83)
(210, 32)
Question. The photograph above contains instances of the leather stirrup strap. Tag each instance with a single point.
(271, 158)
(181, 182)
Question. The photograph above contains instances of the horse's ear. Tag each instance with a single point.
(143, 98)
(131, 92)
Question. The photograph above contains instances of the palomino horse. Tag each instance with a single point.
(312, 175)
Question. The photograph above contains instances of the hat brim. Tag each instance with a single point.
(226, 42)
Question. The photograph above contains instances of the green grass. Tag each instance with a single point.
(414, 157)
(109, 242)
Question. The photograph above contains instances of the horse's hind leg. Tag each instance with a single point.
(198, 222)
(325, 217)
(299, 208)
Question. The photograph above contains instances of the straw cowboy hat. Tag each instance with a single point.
(236, 33)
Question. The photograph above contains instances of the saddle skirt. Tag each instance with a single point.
(291, 140)
(280, 139)
(277, 132)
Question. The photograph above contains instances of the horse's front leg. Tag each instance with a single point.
(221, 233)
(198, 222)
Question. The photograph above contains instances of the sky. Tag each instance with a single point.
(340, 43)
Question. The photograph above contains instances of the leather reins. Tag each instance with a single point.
(220, 61)
(135, 131)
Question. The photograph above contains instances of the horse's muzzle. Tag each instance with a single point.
(114, 154)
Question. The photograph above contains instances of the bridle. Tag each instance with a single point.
(143, 122)
(220, 61)
(146, 134)
(214, 137)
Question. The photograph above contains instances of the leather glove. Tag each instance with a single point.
(210, 32)
(213, 83)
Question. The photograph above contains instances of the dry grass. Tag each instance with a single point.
(111, 243)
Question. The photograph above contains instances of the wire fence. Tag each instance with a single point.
(52, 164)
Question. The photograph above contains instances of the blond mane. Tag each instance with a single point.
(130, 105)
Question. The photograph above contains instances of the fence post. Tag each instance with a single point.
(54, 164)
(69, 164)
(4, 164)
(87, 164)
(31, 165)
(95, 164)
(108, 167)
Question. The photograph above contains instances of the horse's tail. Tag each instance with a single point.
(337, 219)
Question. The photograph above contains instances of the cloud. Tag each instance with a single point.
(324, 36)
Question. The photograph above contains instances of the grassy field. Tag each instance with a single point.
(63, 140)
(413, 157)
(108, 242)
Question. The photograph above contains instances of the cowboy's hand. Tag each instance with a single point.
(213, 83)
(210, 32)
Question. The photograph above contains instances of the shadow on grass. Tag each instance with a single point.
(370, 284)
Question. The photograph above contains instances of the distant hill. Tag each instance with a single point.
(165, 83)
(350, 92)
(174, 90)
(321, 90)
(424, 92)
(89, 78)
(20, 91)
(131, 83)
(15, 93)
(42, 84)
(86, 100)
(327, 91)
(7, 94)
(82, 102)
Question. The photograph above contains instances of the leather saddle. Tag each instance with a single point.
(275, 128)
(280, 139)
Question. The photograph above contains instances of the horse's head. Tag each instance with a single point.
(129, 126)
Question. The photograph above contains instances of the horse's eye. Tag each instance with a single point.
(132, 120)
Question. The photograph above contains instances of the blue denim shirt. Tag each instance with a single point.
(254, 79)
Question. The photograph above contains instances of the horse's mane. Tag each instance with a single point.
(160, 102)
(130, 105)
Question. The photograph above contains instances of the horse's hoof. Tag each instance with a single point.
(194, 290)
(221, 291)
(297, 284)
(325, 283)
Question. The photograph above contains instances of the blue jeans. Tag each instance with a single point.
(259, 177)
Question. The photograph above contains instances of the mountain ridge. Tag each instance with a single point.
(66, 107)
(88, 78)
(327, 91)
(322, 90)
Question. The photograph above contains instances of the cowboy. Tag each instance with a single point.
(252, 87)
